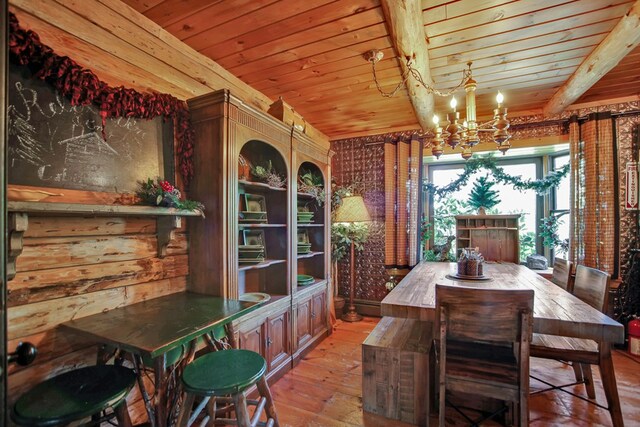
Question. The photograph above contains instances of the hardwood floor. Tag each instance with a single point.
(325, 389)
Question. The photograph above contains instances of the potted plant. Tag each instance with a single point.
(483, 197)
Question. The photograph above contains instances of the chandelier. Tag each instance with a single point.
(454, 132)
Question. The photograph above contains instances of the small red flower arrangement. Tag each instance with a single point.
(163, 193)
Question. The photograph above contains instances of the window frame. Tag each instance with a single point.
(553, 195)
(540, 199)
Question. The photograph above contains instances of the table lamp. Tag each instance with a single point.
(352, 211)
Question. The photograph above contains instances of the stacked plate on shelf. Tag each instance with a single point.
(253, 217)
(251, 254)
(304, 280)
(258, 297)
(304, 248)
(305, 217)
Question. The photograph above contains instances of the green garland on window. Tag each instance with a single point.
(540, 186)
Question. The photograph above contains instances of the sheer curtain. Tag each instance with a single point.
(402, 185)
(593, 192)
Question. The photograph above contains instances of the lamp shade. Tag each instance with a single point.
(352, 209)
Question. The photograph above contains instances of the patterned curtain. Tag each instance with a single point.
(401, 185)
(593, 192)
(576, 221)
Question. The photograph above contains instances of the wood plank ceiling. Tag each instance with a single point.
(310, 52)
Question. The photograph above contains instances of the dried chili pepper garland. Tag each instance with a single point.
(83, 87)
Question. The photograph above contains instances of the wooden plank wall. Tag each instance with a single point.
(73, 267)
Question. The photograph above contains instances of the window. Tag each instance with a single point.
(526, 203)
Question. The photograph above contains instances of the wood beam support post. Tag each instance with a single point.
(166, 226)
(624, 37)
(404, 21)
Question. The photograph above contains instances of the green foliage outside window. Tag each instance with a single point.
(549, 233)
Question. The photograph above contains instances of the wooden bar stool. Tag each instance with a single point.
(75, 395)
(222, 378)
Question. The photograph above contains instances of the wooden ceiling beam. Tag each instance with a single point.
(624, 37)
(406, 27)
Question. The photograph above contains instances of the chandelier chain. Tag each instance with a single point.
(405, 76)
(410, 71)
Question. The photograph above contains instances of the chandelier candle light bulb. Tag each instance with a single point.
(436, 146)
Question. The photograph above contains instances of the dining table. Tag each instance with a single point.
(162, 334)
(555, 311)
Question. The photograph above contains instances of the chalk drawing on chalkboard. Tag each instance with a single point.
(54, 144)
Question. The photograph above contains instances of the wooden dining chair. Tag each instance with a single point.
(592, 287)
(562, 274)
(483, 349)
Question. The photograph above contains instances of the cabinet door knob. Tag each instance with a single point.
(269, 342)
(313, 315)
(24, 355)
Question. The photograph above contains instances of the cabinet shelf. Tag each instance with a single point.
(482, 227)
(315, 282)
(262, 225)
(310, 225)
(260, 185)
(305, 195)
(266, 263)
(309, 255)
(97, 210)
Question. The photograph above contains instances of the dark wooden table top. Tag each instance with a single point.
(154, 327)
(556, 311)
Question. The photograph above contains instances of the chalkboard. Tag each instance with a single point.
(54, 144)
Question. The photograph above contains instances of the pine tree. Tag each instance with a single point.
(483, 195)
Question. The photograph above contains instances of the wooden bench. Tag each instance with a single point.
(396, 369)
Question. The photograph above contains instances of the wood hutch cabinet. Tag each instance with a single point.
(232, 139)
(496, 236)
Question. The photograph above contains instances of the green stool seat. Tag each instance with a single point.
(223, 372)
(73, 396)
(222, 379)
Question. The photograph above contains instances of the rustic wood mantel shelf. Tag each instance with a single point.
(168, 220)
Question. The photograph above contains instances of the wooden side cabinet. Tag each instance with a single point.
(232, 137)
(496, 236)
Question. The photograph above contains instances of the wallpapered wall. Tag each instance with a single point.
(360, 162)
(625, 133)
